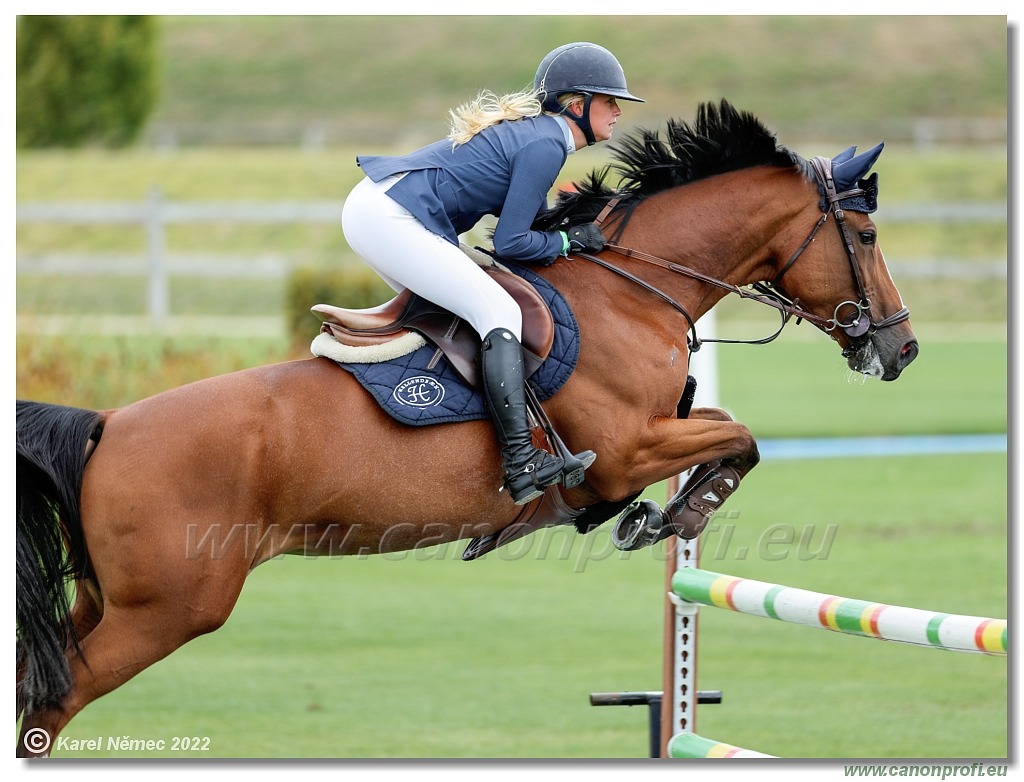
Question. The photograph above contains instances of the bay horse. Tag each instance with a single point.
(156, 512)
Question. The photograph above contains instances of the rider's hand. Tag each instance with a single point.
(585, 238)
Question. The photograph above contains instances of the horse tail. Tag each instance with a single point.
(52, 453)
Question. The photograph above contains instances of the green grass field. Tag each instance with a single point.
(388, 78)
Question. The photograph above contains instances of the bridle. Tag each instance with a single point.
(858, 327)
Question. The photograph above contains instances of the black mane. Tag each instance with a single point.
(720, 139)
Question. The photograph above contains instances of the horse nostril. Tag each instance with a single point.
(908, 353)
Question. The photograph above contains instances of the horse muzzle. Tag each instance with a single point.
(883, 354)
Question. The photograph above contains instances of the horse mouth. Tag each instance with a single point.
(866, 358)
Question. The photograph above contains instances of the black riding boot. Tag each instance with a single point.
(527, 468)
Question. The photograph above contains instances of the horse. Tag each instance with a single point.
(156, 512)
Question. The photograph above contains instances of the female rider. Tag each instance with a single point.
(501, 157)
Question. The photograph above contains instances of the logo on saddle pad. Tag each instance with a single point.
(419, 391)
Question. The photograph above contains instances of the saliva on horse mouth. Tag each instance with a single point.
(864, 359)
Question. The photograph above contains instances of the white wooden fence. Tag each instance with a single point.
(156, 213)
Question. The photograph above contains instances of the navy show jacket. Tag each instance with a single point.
(505, 170)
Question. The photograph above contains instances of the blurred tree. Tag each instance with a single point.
(85, 79)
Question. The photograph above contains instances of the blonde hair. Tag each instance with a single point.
(489, 109)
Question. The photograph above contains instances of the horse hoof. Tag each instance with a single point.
(641, 524)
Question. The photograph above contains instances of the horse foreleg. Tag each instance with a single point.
(721, 450)
(708, 486)
(670, 446)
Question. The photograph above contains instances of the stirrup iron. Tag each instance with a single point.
(574, 465)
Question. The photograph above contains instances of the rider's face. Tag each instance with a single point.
(604, 112)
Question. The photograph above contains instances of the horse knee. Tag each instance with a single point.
(748, 455)
(753, 457)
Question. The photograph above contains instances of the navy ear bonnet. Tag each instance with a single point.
(867, 202)
(848, 172)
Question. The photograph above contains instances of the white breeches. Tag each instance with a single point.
(407, 255)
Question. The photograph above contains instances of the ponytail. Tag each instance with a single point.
(489, 109)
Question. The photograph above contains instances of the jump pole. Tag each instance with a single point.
(692, 586)
(679, 655)
(690, 745)
(953, 632)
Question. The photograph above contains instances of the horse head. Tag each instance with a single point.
(750, 226)
(843, 275)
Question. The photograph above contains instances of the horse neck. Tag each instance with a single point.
(727, 227)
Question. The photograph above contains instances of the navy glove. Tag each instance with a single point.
(585, 238)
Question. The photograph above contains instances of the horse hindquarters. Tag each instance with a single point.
(139, 618)
(51, 457)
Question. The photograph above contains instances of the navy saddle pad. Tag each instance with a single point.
(416, 393)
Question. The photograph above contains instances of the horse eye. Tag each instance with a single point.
(867, 237)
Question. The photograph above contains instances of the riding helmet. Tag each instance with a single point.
(580, 67)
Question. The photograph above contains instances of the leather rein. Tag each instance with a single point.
(769, 293)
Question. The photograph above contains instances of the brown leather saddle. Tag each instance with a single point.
(452, 336)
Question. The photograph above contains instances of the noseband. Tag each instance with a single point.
(860, 324)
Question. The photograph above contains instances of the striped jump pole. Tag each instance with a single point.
(690, 745)
(841, 614)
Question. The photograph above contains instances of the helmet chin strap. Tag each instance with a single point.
(583, 120)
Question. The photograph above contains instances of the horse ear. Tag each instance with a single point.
(843, 156)
(849, 172)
